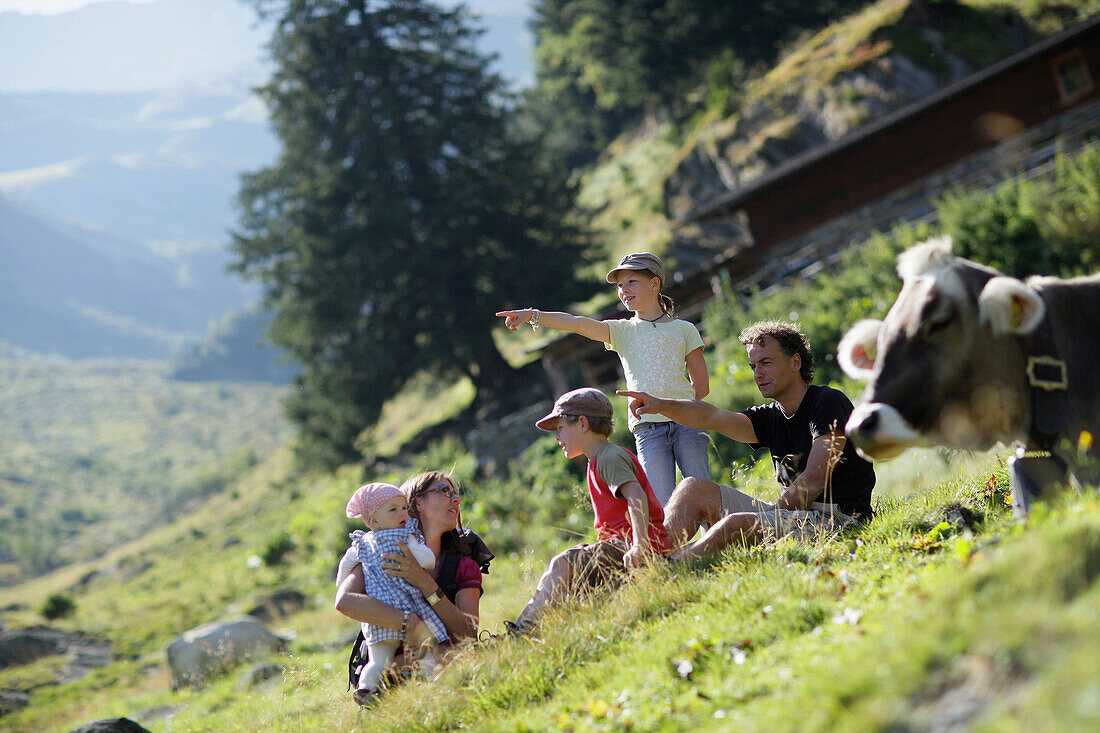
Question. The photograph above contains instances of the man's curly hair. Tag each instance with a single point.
(791, 340)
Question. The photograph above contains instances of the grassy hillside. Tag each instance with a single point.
(909, 623)
(97, 452)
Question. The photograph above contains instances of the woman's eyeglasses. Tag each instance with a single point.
(443, 488)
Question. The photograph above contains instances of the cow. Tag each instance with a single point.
(207, 650)
(968, 357)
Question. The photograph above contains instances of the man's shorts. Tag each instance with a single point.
(597, 564)
(817, 521)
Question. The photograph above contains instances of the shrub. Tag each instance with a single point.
(278, 547)
(863, 284)
(449, 456)
(58, 606)
(1039, 226)
(543, 499)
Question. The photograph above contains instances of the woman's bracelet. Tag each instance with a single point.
(404, 626)
(534, 320)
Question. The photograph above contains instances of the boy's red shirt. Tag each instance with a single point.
(612, 518)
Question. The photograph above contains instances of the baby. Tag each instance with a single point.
(383, 509)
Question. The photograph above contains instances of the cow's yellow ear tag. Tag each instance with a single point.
(870, 351)
(1017, 313)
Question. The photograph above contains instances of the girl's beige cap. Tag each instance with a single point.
(638, 261)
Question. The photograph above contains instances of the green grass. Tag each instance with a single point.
(425, 401)
(756, 641)
(615, 658)
(99, 451)
(895, 625)
(622, 195)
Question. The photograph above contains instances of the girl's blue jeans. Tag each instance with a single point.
(664, 445)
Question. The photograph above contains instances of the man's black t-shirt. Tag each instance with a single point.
(822, 411)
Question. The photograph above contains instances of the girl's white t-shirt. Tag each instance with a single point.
(653, 358)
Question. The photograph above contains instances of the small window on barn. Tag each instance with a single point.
(1072, 75)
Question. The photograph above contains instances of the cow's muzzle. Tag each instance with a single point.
(879, 431)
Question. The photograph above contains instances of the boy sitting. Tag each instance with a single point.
(629, 520)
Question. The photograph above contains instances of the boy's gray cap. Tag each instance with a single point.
(584, 401)
(638, 261)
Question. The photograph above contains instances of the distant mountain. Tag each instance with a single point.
(236, 349)
(85, 293)
(117, 201)
(160, 160)
(161, 166)
(136, 190)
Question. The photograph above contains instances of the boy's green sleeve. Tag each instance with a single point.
(616, 469)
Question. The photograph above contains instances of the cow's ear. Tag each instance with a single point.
(1010, 306)
(858, 349)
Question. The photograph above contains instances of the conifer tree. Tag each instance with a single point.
(400, 214)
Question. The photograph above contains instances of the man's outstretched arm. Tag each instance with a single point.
(694, 414)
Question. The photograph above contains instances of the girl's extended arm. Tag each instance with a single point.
(697, 373)
(587, 327)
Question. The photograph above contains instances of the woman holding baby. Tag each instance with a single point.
(446, 588)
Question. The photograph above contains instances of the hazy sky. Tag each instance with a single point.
(110, 46)
(50, 7)
(118, 46)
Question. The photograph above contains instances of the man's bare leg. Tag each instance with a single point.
(739, 530)
(694, 501)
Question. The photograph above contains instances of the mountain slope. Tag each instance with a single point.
(156, 166)
(923, 616)
(97, 452)
(83, 293)
(829, 84)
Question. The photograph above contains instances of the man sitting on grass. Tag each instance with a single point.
(629, 520)
(826, 485)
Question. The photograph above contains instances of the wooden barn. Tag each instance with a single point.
(1011, 117)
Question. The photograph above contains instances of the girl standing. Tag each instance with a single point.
(654, 348)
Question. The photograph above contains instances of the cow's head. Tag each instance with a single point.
(945, 366)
